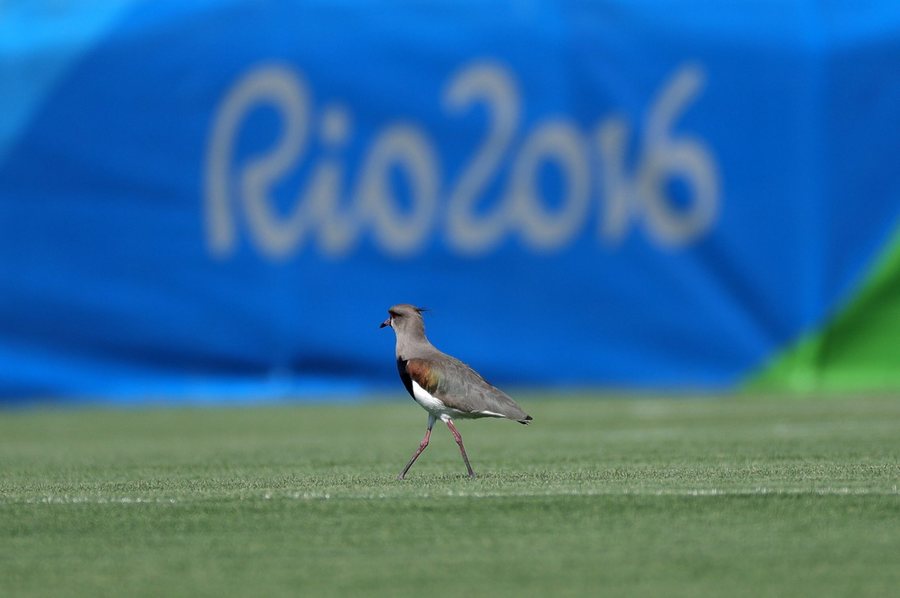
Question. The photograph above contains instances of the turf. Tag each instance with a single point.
(618, 497)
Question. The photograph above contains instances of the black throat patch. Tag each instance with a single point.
(404, 375)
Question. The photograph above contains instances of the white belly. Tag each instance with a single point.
(430, 403)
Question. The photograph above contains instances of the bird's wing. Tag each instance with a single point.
(461, 388)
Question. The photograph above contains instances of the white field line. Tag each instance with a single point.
(318, 496)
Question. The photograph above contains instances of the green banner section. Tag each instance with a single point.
(858, 350)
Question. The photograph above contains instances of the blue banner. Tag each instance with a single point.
(222, 199)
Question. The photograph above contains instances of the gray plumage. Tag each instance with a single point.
(443, 385)
(460, 388)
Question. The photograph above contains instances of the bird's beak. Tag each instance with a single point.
(386, 323)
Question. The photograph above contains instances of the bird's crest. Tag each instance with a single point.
(406, 307)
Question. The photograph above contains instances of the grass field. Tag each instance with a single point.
(742, 497)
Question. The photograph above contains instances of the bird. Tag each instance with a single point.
(444, 386)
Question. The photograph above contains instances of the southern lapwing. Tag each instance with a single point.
(443, 385)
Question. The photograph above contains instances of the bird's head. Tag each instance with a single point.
(405, 319)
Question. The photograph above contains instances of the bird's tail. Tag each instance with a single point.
(525, 421)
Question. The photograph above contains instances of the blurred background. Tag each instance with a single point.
(219, 200)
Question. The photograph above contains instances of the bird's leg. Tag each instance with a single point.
(421, 448)
(462, 449)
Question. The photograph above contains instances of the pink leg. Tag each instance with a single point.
(462, 449)
(419, 450)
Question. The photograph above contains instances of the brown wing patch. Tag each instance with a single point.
(423, 373)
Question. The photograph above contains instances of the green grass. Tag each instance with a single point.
(653, 497)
